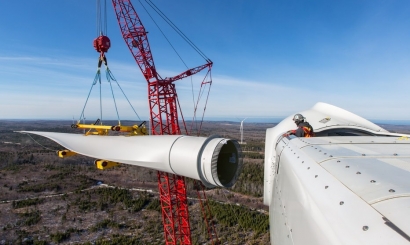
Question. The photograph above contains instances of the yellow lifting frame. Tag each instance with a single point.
(134, 130)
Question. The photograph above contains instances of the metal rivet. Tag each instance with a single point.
(358, 173)
(395, 154)
(326, 187)
(363, 154)
(298, 157)
(320, 150)
(325, 153)
(290, 230)
(330, 156)
(341, 203)
(391, 190)
(303, 161)
(347, 166)
(338, 161)
(308, 167)
(315, 176)
(365, 228)
(372, 181)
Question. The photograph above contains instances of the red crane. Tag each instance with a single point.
(163, 105)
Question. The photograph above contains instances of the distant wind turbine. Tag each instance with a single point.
(241, 130)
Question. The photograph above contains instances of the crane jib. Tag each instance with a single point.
(163, 105)
(190, 72)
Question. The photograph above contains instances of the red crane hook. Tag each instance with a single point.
(102, 44)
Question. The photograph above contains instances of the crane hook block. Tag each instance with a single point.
(102, 44)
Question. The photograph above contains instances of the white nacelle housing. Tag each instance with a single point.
(326, 120)
(348, 185)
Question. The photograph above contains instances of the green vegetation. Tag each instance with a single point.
(231, 215)
(250, 181)
(109, 197)
(38, 242)
(63, 236)
(25, 187)
(6, 157)
(105, 224)
(112, 196)
(154, 205)
(85, 205)
(12, 167)
(27, 202)
(253, 155)
(60, 236)
(136, 205)
(30, 217)
(29, 170)
(83, 181)
(253, 146)
(118, 239)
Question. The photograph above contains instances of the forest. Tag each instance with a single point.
(47, 200)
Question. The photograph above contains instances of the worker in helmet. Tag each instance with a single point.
(304, 128)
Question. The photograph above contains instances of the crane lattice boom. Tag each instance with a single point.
(162, 98)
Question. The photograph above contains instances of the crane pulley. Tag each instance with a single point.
(102, 44)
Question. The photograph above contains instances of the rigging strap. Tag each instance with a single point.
(110, 77)
(97, 78)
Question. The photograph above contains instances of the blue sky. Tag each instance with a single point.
(271, 58)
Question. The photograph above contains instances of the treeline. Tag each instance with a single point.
(27, 218)
(253, 146)
(118, 239)
(26, 203)
(232, 215)
(253, 155)
(40, 187)
(30, 217)
(108, 197)
(250, 181)
(9, 160)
